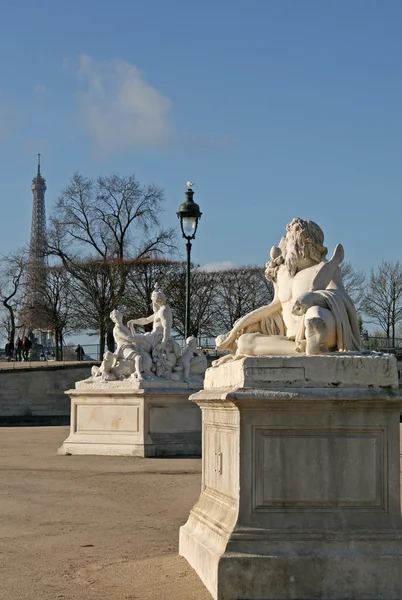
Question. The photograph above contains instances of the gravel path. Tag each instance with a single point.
(92, 528)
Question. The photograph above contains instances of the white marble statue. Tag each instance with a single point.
(152, 355)
(193, 362)
(311, 311)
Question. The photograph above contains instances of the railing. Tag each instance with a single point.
(383, 344)
(90, 352)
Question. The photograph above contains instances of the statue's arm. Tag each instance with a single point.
(258, 315)
(306, 301)
(252, 317)
(123, 334)
(166, 320)
(143, 320)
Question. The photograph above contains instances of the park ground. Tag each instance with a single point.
(92, 528)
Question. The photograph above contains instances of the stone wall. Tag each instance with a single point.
(36, 395)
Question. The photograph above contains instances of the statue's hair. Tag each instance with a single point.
(308, 242)
(158, 294)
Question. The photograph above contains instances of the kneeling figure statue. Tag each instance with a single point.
(311, 311)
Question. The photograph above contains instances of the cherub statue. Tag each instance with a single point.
(192, 362)
(311, 311)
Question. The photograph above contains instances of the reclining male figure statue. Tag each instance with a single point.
(311, 311)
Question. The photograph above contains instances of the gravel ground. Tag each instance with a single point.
(92, 528)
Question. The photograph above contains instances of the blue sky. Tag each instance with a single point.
(274, 108)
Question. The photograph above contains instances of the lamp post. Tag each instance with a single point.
(189, 215)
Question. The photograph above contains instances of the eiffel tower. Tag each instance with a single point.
(38, 225)
(32, 313)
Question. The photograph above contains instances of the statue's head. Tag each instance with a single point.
(304, 240)
(191, 342)
(116, 316)
(158, 297)
(108, 357)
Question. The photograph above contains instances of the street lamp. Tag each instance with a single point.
(189, 215)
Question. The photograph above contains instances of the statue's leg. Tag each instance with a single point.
(138, 366)
(320, 330)
(186, 368)
(198, 365)
(257, 344)
(222, 359)
(252, 319)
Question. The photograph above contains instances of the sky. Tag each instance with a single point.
(274, 108)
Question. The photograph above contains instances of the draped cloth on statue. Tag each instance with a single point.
(344, 313)
(273, 325)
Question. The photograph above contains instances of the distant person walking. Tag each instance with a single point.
(9, 348)
(26, 346)
(80, 352)
(18, 349)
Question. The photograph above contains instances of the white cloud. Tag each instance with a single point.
(40, 90)
(224, 265)
(119, 109)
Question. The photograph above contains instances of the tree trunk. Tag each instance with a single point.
(56, 344)
(12, 321)
(109, 336)
(101, 341)
(393, 319)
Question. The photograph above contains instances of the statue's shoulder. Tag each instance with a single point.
(311, 271)
(165, 310)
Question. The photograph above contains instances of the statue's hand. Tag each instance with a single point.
(220, 341)
(302, 304)
(298, 309)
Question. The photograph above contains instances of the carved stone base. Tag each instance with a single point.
(300, 494)
(133, 422)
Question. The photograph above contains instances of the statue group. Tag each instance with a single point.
(311, 312)
(151, 355)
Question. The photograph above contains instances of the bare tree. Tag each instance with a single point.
(55, 306)
(93, 295)
(142, 277)
(13, 269)
(355, 284)
(202, 301)
(383, 303)
(99, 225)
(240, 291)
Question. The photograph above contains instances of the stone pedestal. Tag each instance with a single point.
(113, 419)
(301, 494)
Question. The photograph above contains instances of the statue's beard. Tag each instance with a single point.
(291, 260)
